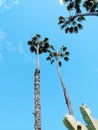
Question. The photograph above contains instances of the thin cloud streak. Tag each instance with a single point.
(1, 57)
(23, 52)
(8, 5)
(2, 35)
(16, 2)
(19, 49)
(9, 46)
(2, 2)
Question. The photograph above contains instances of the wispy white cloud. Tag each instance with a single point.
(6, 4)
(2, 35)
(9, 46)
(1, 57)
(17, 48)
(16, 2)
(1, 47)
(2, 2)
(22, 51)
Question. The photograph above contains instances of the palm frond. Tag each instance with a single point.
(66, 58)
(67, 53)
(38, 35)
(52, 61)
(32, 49)
(60, 63)
(29, 43)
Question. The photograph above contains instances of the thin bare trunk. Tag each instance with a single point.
(67, 99)
(37, 111)
(37, 107)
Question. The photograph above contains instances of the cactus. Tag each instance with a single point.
(72, 124)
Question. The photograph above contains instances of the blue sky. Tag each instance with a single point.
(19, 21)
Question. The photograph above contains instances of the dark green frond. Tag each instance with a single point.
(62, 26)
(61, 18)
(44, 50)
(61, 55)
(67, 53)
(40, 50)
(60, 22)
(48, 58)
(67, 30)
(34, 38)
(70, 6)
(60, 63)
(89, 4)
(52, 61)
(46, 45)
(51, 54)
(64, 48)
(38, 35)
(29, 43)
(71, 29)
(74, 23)
(66, 58)
(80, 26)
(80, 18)
(45, 39)
(32, 49)
(75, 29)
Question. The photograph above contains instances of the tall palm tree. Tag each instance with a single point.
(38, 47)
(55, 56)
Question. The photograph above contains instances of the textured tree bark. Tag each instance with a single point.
(37, 107)
(67, 99)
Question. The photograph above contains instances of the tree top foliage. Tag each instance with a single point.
(78, 10)
(35, 43)
(57, 55)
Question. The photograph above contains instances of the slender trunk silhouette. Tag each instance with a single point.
(67, 99)
(37, 107)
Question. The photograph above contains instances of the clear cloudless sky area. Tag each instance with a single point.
(20, 20)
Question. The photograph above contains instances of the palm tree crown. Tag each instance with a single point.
(56, 55)
(77, 9)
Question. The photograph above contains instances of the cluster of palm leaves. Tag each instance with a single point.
(54, 55)
(91, 5)
(70, 24)
(35, 42)
(73, 23)
(45, 47)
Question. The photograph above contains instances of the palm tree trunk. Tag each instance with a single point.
(37, 111)
(67, 99)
